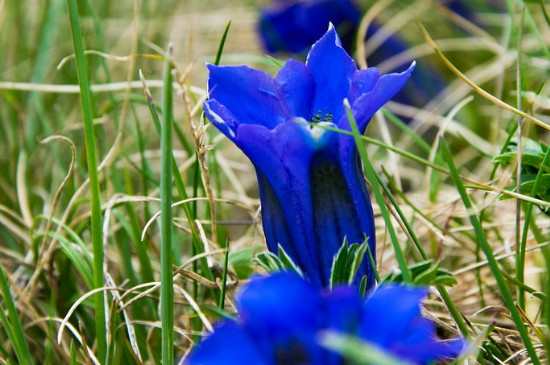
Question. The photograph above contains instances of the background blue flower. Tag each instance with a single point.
(294, 25)
(282, 316)
(312, 188)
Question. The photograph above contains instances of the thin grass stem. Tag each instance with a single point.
(96, 219)
(166, 274)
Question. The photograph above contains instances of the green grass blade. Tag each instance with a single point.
(443, 291)
(488, 250)
(371, 177)
(12, 324)
(222, 43)
(97, 241)
(166, 274)
(359, 352)
(180, 186)
(224, 277)
(520, 247)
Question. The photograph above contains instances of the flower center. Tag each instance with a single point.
(320, 118)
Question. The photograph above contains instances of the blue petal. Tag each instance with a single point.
(339, 211)
(363, 82)
(392, 320)
(279, 306)
(262, 104)
(221, 117)
(350, 165)
(366, 105)
(332, 70)
(428, 349)
(229, 345)
(296, 85)
(343, 308)
(389, 312)
(282, 156)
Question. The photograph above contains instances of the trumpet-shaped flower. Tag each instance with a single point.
(312, 188)
(283, 316)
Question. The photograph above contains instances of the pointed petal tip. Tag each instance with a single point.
(331, 36)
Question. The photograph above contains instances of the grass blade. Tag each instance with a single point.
(488, 250)
(166, 275)
(12, 325)
(371, 177)
(222, 43)
(97, 241)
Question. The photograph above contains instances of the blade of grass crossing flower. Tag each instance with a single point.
(443, 291)
(371, 177)
(96, 219)
(12, 324)
(359, 352)
(488, 250)
(166, 274)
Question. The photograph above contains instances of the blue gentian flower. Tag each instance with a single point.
(312, 188)
(283, 315)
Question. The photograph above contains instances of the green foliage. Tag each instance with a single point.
(274, 263)
(346, 262)
(425, 273)
(241, 261)
(532, 158)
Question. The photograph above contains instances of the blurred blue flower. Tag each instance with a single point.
(283, 315)
(293, 26)
(312, 188)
